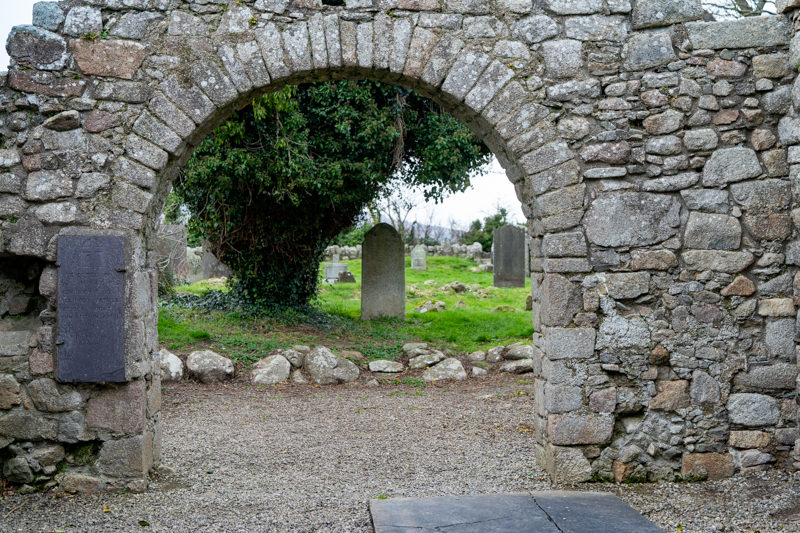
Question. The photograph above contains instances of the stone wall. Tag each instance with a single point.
(653, 155)
(445, 250)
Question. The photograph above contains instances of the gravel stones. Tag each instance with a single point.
(209, 367)
(325, 368)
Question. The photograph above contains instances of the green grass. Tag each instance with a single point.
(470, 328)
(463, 329)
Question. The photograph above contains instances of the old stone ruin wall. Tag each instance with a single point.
(677, 353)
(653, 156)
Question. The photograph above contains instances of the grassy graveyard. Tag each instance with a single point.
(476, 316)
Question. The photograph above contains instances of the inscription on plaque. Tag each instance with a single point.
(91, 309)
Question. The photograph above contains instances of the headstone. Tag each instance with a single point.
(475, 251)
(508, 256)
(91, 309)
(171, 251)
(383, 282)
(333, 271)
(213, 267)
(419, 258)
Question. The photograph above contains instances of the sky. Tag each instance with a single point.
(486, 194)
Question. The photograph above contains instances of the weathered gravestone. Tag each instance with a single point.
(419, 258)
(383, 282)
(171, 251)
(508, 256)
(91, 308)
(334, 270)
(213, 267)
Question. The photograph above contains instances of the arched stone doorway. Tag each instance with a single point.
(650, 154)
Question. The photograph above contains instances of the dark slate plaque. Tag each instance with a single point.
(508, 256)
(91, 308)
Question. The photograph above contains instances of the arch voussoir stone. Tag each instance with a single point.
(654, 156)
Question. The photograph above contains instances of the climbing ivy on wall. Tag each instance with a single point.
(272, 186)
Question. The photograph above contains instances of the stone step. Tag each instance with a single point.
(538, 512)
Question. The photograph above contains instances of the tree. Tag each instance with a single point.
(271, 187)
(482, 232)
(739, 8)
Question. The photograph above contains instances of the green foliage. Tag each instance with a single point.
(482, 231)
(352, 236)
(274, 185)
(175, 333)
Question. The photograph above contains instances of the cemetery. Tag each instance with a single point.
(655, 156)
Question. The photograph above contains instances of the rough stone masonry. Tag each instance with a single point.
(656, 157)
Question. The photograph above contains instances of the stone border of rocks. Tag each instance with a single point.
(320, 366)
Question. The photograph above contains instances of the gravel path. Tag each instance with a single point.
(304, 458)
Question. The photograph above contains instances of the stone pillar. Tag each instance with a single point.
(383, 277)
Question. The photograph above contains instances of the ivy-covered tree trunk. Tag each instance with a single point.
(271, 187)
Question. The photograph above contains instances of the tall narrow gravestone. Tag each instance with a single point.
(383, 276)
(419, 258)
(508, 256)
(91, 309)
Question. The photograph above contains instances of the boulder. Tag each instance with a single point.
(450, 368)
(430, 357)
(383, 365)
(520, 366)
(519, 351)
(171, 366)
(271, 370)
(326, 368)
(209, 367)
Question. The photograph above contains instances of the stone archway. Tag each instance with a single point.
(650, 154)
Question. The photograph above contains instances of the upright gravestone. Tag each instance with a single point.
(508, 256)
(383, 277)
(91, 309)
(419, 258)
(334, 270)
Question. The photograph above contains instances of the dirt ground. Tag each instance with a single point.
(238, 457)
